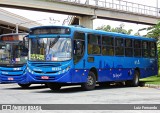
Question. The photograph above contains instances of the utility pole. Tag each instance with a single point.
(16, 27)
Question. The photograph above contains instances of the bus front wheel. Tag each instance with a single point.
(91, 82)
(54, 86)
(135, 81)
(24, 86)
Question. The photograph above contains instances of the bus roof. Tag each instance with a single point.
(101, 32)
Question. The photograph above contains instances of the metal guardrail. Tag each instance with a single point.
(119, 5)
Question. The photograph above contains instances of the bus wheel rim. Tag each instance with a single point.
(90, 81)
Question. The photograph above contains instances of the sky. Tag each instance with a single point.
(57, 19)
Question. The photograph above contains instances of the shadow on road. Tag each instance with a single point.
(68, 89)
(30, 88)
(76, 89)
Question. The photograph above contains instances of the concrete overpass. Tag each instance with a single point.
(87, 10)
(9, 22)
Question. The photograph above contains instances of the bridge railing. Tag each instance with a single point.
(118, 5)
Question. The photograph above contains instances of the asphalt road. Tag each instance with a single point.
(38, 94)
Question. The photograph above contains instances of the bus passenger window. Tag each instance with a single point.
(137, 48)
(153, 49)
(90, 48)
(107, 45)
(107, 50)
(145, 49)
(94, 44)
(128, 48)
(119, 50)
(96, 49)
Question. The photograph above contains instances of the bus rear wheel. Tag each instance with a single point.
(54, 86)
(91, 82)
(24, 86)
(135, 81)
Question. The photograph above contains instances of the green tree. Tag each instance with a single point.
(153, 31)
(119, 29)
(137, 33)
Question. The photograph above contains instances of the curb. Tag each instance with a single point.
(152, 86)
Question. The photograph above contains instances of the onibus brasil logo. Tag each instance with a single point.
(21, 107)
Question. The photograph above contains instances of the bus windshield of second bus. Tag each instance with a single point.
(13, 50)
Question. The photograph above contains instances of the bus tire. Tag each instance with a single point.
(135, 81)
(54, 86)
(91, 82)
(24, 86)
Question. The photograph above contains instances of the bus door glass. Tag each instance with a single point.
(79, 46)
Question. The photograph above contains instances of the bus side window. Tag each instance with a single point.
(137, 48)
(145, 49)
(119, 46)
(128, 48)
(152, 49)
(90, 48)
(94, 44)
(107, 45)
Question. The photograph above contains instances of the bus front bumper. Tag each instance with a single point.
(62, 78)
(12, 79)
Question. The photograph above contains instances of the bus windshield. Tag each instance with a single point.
(50, 49)
(13, 52)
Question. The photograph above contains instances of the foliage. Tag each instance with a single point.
(119, 29)
(137, 34)
(152, 80)
(153, 31)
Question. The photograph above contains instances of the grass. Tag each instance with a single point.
(151, 80)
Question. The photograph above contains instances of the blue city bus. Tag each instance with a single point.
(13, 58)
(60, 55)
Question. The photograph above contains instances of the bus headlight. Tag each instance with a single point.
(59, 72)
(64, 70)
(67, 68)
(29, 70)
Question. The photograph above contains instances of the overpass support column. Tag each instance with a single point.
(87, 21)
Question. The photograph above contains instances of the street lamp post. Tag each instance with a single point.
(16, 27)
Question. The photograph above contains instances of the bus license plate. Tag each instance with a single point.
(10, 78)
(44, 77)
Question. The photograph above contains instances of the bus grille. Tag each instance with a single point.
(41, 72)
